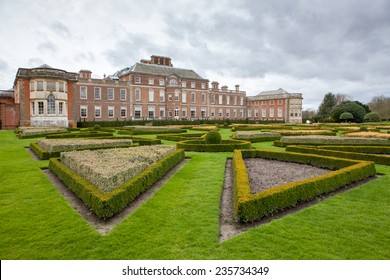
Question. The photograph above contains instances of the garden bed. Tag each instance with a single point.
(330, 140)
(107, 180)
(249, 207)
(32, 132)
(48, 148)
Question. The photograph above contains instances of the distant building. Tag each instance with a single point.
(9, 111)
(45, 96)
(150, 89)
(275, 105)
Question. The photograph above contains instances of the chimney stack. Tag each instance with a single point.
(85, 74)
(214, 85)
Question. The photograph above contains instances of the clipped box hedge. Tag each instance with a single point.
(225, 146)
(45, 154)
(86, 134)
(327, 151)
(360, 149)
(105, 205)
(330, 140)
(249, 207)
(179, 137)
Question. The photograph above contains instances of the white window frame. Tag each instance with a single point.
(177, 95)
(83, 107)
(151, 81)
(137, 80)
(97, 93)
(83, 92)
(161, 82)
(162, 95)
(151, 95)
(111, 108)
(123, 109)
(110, 94)
(192, 84)
(98, 108)
(123, 94)
(138, 94)
(184, 97)
(193, 97)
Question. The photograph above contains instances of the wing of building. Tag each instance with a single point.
(275, 105)
(149, 89)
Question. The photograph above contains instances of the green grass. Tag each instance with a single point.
(181, 220)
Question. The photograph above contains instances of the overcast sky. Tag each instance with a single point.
(311, 47)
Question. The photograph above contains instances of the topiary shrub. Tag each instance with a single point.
(213, 137)
(372, 117)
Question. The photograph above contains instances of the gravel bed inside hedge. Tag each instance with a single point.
(264, 174)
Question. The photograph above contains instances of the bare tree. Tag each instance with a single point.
(380, 105)
(341, 98)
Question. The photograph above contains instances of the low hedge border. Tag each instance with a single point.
(44, 154)
(348, 141)
(359, 149)
(149, 131)
(20, 135)
(225, 146)
(326, 151)
(136, 140)
(88, 134)
(105, 205)
(180, 137)
(264, 138)
(249, 207)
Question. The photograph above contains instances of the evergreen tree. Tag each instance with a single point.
(328, 103)
(358, 112)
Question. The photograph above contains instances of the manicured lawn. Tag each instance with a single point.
(181, 220)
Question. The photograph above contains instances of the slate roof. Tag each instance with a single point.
(277, 91)
(160, 70)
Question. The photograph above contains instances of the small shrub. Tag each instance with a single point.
(372, 117)
(213, 137)
(96, 127)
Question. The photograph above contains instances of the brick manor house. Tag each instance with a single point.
(150, 89)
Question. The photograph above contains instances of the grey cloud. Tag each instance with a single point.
(47, 46)
(60, 29)
(3, 65)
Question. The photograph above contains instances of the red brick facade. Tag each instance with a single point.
(150, 89)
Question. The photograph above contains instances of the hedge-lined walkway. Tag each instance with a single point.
(181, 220)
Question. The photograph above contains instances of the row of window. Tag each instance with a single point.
(220, 100)
(48, 107)
(265, 102)
(151, 112)
(123, 96)
(171, 82)
(98, 111)
(97, 93)
(41, 85)
(271, 113)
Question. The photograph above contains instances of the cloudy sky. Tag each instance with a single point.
(312, 47)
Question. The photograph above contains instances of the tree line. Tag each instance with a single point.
(339, 108)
